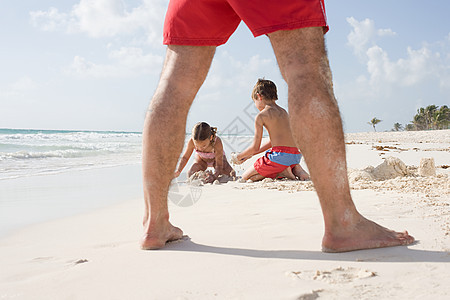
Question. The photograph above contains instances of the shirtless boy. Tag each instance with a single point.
(283, 158)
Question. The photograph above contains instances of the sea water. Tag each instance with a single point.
(48, 174)
(37, 152)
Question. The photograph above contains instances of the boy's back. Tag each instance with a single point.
(276, 120)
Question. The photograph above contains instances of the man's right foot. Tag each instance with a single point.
(363, 234)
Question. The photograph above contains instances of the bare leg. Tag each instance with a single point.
(185, 69)
(252, 174)
(256, 177)
(198, 165)
(317, 128)
(287, 173)
(227, 169)
(300, 173)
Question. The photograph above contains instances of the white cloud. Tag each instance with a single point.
(24, 84)
(390, 88)
(444, 74)
(383, 73)
(226, 93)
(227, 69)
(418, 65)
(19, 87)
(363, 35)
(105, 18)
(126, 62)
(236, 76)
(50, 20)
(386, 32)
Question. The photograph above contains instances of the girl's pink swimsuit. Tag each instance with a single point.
(208, 156)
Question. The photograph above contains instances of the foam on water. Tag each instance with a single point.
(25, 152)
(33, 152)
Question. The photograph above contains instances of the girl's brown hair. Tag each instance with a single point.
(203, 131)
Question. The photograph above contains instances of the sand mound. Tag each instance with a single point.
(394, 175)
(427, 167)
(391, 175)
(360, 175)
(202, 177)
(391, 167)
(199, 176)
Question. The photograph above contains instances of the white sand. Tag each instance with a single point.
(251, 240)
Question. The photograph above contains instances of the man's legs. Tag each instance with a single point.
(185, 69)
(317, 129)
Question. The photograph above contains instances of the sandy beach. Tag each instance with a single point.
(252, 240)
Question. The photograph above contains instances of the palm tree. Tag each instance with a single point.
(419, 120)
(430, 112)
(432, 117)
(442, 117)
(410, 127)
(398, 127)
(374, 122)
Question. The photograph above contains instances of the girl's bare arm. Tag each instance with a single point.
(218, 149)
(185, 158)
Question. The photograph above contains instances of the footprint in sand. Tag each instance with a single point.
(309, 296)
(81, 261)
(335, 276)
(43, 258)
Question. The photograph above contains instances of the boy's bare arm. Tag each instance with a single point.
(255, 146)
(264, 147)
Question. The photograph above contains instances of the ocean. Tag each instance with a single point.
(49, 174)
(38, 152)
(29, 152)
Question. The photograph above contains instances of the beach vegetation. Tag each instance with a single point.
(374, 122)
(431, 117)
(410, 127)
(397, 127)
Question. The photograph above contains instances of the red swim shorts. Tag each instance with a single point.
(211, 22)
(276, 160)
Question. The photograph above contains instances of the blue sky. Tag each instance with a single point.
(94, 64)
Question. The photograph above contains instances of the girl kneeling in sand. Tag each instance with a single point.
(209, 153)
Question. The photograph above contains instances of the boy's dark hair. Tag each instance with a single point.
(203, 131)
(266, 88)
